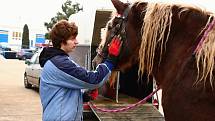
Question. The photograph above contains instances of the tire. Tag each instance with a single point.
(26, 83)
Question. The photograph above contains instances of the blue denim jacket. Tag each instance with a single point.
(60, 87)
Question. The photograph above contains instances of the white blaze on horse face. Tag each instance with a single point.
(104, 32)
(103, 37)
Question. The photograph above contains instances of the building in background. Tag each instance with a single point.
(4, 36)
(11, 36)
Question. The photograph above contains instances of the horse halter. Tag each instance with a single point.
(118, 32)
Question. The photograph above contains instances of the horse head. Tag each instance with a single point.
(125, 25)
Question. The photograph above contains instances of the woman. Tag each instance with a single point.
(62, 79)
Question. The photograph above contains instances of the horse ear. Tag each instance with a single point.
(120, 6)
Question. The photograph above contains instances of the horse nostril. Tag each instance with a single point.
(93, 65)
(97, 60)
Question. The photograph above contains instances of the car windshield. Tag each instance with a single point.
(34, 57)
(29, 50)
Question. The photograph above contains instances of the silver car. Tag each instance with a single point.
(32, 71)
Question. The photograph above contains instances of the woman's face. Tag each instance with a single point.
(70, 45)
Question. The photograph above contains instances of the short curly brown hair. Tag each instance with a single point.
(61, 32)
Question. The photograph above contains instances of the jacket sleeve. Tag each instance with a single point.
(67, 73)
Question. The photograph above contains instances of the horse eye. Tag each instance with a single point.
(118, 26)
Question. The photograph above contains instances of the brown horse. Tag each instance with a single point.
(176, 45)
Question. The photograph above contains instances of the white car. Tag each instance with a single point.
(32, 71)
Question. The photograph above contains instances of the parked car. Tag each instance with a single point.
(7, 53)
(24, 54)
(5, 48)
(32, 71)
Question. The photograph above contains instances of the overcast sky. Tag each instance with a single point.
(36, 12)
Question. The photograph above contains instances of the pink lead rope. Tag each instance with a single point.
(124, 108)
(210, 26)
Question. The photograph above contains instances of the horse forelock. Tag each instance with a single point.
(157, 21)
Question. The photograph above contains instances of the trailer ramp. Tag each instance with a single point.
(145, 112)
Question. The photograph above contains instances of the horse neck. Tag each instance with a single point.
(184, 37)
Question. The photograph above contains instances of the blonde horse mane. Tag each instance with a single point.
(205, 58)
(157, 21)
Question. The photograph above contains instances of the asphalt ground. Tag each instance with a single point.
(16, 102)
